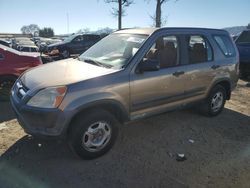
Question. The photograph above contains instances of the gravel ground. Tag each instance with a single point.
(217, 151)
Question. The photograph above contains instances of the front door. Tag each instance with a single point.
(76, 45)
(154, 91)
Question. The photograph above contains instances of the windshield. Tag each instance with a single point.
(244, 37)
(114, 50)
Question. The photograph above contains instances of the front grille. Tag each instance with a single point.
(20, 89)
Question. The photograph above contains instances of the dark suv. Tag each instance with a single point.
(243, 44)
(74, 44)
(128, 75)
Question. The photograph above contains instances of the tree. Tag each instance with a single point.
(248, 26)
(46, 32)
(104, 31)
(30, 29)
(119, 12)
(84, 30)
(158, 21)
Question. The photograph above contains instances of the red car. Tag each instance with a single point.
(13, 63)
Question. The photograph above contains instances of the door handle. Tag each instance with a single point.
(215, 67)
(178, 73)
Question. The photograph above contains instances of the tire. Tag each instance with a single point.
(215, 102)
(93, 134)
(65, 54)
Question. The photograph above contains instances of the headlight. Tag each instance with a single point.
(48, 98)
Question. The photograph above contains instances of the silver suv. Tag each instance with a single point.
(130, 74)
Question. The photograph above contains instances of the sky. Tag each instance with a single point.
(95, 14)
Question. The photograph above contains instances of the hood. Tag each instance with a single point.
(62, 73)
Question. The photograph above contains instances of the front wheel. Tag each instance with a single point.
(215, 102)
(93, 135)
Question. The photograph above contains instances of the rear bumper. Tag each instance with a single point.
(38, 121)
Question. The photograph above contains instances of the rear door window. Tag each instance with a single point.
(93, 37)
(199, 49)
(85, 38)
(225, 45)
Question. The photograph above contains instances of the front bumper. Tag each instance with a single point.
(39, 121)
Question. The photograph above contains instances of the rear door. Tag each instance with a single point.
(88, 41)
(199, 68)
(93, 39)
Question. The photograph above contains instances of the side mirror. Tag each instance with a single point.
(148, 65)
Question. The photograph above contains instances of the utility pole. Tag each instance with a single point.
(67, 22)
(119, 14)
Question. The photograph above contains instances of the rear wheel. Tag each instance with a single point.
(65, 53)
(215, 102)
(93, 135)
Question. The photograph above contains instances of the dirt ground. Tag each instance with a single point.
(218, 154)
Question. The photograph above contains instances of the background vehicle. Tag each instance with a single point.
(243, 44)
(128, 75)
(74, 44)
(5, 43)
(28, 48)
(21, 41)
(13, 63)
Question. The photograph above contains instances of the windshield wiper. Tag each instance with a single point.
(94, 62)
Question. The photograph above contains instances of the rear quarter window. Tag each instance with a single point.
(225, 44)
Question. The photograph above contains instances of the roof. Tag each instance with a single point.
(143, 31)
(149, 31)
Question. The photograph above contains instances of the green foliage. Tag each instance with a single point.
(46, 32)
(30, 29)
